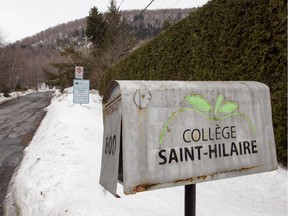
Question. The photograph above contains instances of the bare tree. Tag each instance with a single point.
(2, 51)
(1, 45)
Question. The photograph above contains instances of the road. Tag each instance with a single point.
(19, 120)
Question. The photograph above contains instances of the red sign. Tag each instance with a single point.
(79, 72)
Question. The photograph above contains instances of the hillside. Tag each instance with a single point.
(24, 61)
(223, 40)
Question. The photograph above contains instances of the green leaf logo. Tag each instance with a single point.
(218, 103)
(228, 107)
(199, 102)
(201, 106)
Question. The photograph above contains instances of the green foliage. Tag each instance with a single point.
(166, 24)
(96, 27)
(117, 42)
(143, 32)
(65, 75)
(6, 91)
(223, 40)
(110, 42)
(18, 87)
(66, 70)
(113, 19)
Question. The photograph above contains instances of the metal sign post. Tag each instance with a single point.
(190, 200)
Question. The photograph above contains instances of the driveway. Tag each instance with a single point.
(19, 119)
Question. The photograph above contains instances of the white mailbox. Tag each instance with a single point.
(167, 133)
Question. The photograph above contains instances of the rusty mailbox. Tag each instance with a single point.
(167, 133)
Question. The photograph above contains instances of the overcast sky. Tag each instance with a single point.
(19, 18)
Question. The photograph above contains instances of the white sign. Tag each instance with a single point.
(79, 72)
(81, 91)
(178, 133)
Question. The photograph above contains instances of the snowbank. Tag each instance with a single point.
(14, 95)
(60, 171)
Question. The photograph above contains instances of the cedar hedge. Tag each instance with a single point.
(223, 40)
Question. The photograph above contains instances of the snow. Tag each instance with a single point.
(60, 170)
(14, 95)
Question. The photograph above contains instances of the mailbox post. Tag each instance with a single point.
(190, 200)
(161, 134)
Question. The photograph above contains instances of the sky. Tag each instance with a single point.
(20, 19)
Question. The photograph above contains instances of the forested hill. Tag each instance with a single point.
(24, 61)
(223, 40)
(68, 31)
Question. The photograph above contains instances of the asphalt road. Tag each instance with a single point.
(19, 119)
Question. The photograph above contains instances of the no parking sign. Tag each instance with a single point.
(79, 72)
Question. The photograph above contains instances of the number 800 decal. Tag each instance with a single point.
(110, 146)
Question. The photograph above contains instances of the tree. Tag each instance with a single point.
(75, 56)
(114, 40)
(111, 41)
(241, 40)
(166, 24)
(119, 40)
(113, 19)
(1, 46)
(2, 78)
(66, 70)
(96, 27)
(2, 37)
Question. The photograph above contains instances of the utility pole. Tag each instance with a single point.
(86, 42)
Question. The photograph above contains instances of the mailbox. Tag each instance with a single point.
(167, 133)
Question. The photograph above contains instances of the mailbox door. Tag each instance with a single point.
(111, 146)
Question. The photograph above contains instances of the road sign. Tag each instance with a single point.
(79, 71)
(81, 91)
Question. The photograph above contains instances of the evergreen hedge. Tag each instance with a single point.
(223, 40)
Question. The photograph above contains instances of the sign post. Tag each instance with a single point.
(80, 87)
(190, 200)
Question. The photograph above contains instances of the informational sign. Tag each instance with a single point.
(81, 91)
(180, 133)
(79, 71)
(111, 146)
